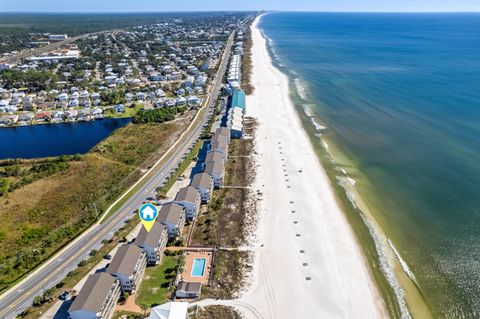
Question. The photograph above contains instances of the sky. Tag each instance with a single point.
(221, 5)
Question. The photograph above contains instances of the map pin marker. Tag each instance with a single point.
(148, 214)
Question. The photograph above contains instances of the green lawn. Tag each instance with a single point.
(154, 289)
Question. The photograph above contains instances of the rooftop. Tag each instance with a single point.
(238, 99)
(153, 237)
(125, 260)
(170, 213)
(215, 167)
(188, 194)
(94, 292)
(202, 180)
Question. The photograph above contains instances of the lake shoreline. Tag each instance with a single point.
(67, 138)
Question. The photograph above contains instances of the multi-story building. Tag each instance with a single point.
(97, 298)
(189, 197)
(153, 242)
(204, 184)
(172, 215)
(128, 266)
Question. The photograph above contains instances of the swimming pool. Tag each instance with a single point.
(198, 268)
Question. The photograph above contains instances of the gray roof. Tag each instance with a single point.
(215, 167)
(214, 156)
(202, 180)
(189, 287)
(125, 260)
(225, 131)
(170, 213)
(93, 293)
(219, 138)
(187, 194)
(153, 237)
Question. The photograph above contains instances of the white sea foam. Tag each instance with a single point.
(350, 196)
(385, 263)
(402, 262)
(387, 269)
(300, 88)
(351, 181)
(314, 122)
(325, 145)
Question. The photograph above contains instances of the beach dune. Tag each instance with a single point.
(307, 263)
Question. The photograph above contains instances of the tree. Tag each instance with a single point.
(38, 301)
(144, 308)
(4, 186)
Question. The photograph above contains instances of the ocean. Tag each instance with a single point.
(392, 104)
(46, 140)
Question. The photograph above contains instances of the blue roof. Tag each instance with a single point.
(238, 99)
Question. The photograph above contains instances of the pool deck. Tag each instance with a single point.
(190, 256)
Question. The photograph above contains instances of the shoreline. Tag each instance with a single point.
(299, 255)
(394, 279)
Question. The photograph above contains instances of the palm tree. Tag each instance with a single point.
(144, 308)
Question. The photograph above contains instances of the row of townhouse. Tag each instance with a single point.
(101, 292)
(236, 113)
(235, 69)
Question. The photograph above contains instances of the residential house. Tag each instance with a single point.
(216, 169)
(120, 108)
(97, 298)
(25, 118)
(193, 100)
(153, 242)
(57, 116)
(181, 101)
(73, 102)
(187, 289)
(97, 113)
(170, 102)
(173, 216)
(204, 184)
(140, 96)
(189, 197)
(71, 115)
(128, 265)
(8, 120)
(84, 115)
(43, 117)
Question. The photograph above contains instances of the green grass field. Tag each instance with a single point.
(154, 289)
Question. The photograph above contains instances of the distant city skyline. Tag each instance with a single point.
(222, 5)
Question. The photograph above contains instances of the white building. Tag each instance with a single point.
(204, 184)
(172, 215)
(170, 310)
(128, 266)
(216, 170)
(189, 197)
(97, 298)
(153, 242)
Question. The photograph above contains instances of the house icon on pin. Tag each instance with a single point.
(148, 213)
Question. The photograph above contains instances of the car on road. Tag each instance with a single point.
(107, 257)
(66, 295)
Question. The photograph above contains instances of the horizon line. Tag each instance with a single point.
(218, 11)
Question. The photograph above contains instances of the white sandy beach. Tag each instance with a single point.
(298, 213)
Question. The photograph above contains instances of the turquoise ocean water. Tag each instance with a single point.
(397, 98)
